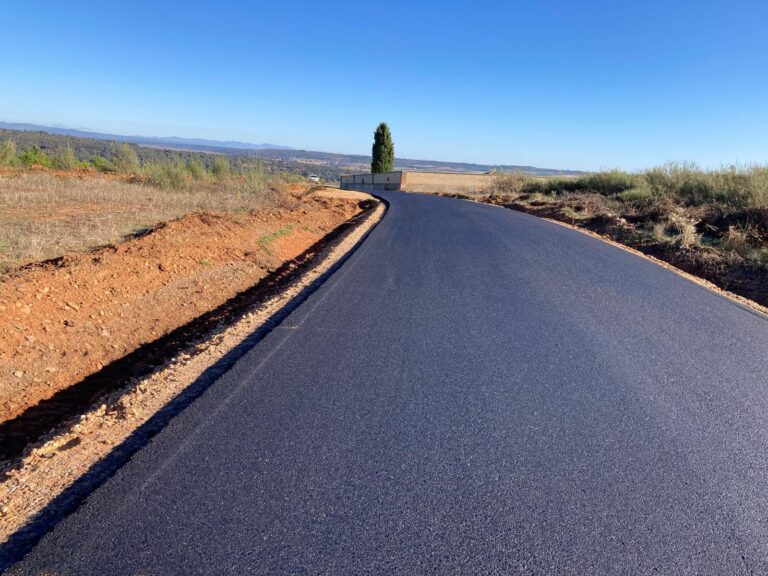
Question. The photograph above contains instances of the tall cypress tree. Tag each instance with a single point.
(383, 152)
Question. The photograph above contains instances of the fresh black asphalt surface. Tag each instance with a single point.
(475, 391)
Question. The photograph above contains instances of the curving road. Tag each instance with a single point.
(475, 391)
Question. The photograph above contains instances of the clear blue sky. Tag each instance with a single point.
(555, 83)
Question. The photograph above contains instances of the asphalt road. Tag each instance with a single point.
(475, 391)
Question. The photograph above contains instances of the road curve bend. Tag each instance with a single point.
(475, 391)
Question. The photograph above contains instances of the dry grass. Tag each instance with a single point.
(734, 187)
(676, 229)
(45, 215)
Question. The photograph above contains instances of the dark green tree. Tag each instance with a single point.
(383, 152)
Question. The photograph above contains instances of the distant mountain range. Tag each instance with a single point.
(348, 163)
(160, 141)
(328, 163)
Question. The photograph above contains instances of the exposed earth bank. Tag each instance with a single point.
(62, 320)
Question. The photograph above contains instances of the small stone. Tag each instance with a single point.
(18, 374)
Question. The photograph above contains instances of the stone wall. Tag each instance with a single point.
(382, 181)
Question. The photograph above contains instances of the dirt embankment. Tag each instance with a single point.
(63, 320)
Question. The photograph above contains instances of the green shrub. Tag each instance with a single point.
(548, 186)
(34, 157)
(125, 159)
(744, 187)
(221, 168)
(685, 183)
(508, 183)
(102, 164)
(292, 178)
(8, 153)
(640, 195)
(254, 178)
(608, 183)
(733, 186)
(65, 159)
(167, 175)
(196, 169)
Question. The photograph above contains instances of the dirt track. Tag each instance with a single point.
(66, 319)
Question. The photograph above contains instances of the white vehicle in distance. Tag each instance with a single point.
(314, 177)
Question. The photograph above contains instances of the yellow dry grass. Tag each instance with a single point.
(45, 215)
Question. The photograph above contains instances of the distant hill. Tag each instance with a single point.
(328, 165)
(348, 163)
(164, 141)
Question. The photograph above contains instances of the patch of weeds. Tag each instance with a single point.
(35, 157)
(759, 256)
(735, 240)
(540, 199)
(205, 262)
(196, 169)
(641, 195)
(167, 175)
(102, 164)
(676, 230)
(267, 239)
(572, 214)
(659, 232)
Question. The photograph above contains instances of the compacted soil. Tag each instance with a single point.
(63, 320)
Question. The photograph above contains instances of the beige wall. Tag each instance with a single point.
(446, 183)
(429, 182)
